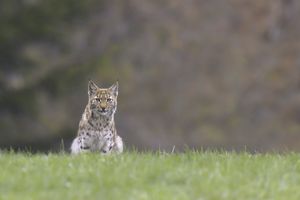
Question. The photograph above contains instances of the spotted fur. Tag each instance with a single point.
(97, 132)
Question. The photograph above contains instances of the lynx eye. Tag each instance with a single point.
(109, 99)
(97, 99)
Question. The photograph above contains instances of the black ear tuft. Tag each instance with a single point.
(92, 88)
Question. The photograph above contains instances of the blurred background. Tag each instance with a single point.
(201, 74)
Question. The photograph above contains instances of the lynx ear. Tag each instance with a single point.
(92, 88)
(114, 88)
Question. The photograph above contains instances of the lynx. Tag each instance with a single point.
(97, 131)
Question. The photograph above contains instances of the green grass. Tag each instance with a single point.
(191, 175)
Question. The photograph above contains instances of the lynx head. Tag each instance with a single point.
(103, 101)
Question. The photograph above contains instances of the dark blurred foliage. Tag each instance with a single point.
(211, 74)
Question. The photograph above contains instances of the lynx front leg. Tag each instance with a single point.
(81, 144)
(107, 147)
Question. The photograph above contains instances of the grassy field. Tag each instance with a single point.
(191, 175)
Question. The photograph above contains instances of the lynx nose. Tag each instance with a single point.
(103, 106)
